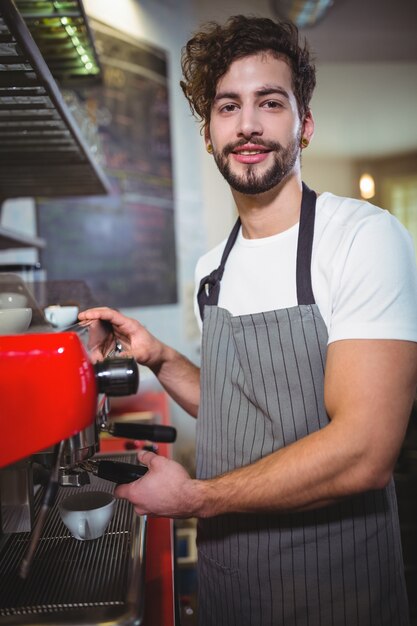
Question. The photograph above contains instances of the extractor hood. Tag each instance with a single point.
(42, 151)
(62, 33)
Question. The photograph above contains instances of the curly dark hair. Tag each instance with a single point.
(208, 54)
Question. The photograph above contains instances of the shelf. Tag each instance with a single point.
(12, 239)
(63, 36)
(42, 151)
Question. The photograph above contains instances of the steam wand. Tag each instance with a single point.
(47, 503)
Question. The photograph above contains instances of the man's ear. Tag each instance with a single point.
(207, 139)
(308, 126)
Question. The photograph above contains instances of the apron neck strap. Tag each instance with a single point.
(305, 246)
(209, 288)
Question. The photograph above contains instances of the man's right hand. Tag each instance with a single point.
(179, 377)
(107, 326)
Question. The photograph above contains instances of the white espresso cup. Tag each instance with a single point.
(61, 316)
(87, 514)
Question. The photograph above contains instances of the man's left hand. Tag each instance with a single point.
(166, 490)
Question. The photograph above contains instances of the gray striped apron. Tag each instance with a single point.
(262, 388)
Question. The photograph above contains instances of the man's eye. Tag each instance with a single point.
(272, 104)
(228, 108)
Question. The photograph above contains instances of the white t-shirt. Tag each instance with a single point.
(363, 271)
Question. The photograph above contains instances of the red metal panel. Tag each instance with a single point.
(47, 392)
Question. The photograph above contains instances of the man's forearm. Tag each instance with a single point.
(312, 472)
(370, 386)
(179, 377)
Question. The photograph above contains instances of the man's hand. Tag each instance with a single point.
(106, 326)
(166, 490)
(175, 372)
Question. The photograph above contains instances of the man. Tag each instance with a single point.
(309, 362)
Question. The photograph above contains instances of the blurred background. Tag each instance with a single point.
(175, 206)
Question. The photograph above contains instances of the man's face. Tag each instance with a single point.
(254, 128)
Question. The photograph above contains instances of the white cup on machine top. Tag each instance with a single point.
(61, 316)
(87, 514)
(15, 321)
(12, 300)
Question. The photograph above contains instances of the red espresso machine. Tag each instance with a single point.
(53, 405)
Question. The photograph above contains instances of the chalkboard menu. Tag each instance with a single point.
(123, 245)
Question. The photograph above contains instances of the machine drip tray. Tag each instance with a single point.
(77, 582)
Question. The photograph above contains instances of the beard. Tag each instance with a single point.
(251, 182)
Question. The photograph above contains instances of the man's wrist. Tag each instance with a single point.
(158, 356)
(203, 500)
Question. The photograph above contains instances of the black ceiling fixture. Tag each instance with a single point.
(304, 13)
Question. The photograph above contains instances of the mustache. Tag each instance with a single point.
(270, 145)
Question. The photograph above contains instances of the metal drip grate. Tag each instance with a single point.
(84, 581)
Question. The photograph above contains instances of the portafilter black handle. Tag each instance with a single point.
(119, 472)
(118, 376)
(151, 432)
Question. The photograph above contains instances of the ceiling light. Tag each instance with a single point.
(303, 13)
(367, 186)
